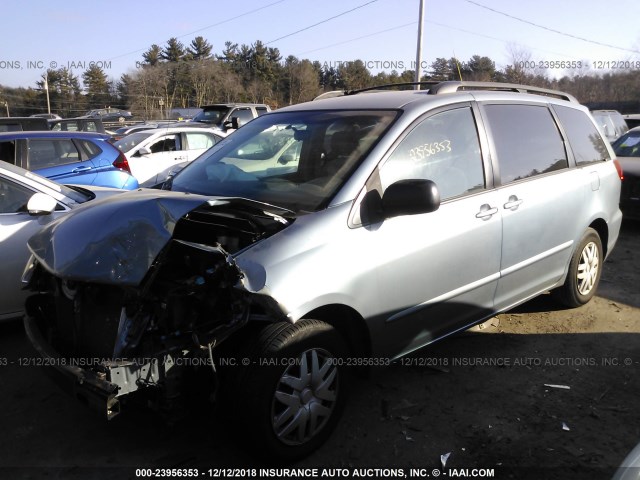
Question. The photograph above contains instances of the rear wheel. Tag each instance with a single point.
(585, 270)
(292, 392)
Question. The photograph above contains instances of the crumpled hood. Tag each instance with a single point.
(115, 240)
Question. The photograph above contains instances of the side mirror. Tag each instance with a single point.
(410, 197)
(41, 204)
(144, 151)
(234, 123)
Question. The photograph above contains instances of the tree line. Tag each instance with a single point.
(179, 76)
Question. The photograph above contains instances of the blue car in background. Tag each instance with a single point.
(69, 157)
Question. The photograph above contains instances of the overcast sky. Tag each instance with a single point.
(39, 34)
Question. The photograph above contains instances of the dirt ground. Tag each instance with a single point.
(540, 392)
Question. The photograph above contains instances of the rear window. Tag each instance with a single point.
(585, 140)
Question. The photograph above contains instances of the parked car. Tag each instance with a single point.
(612, 123)
(342, 232)
(122, 132)
(183, 113)
(69, 157)
(632, 119)
(228, 116)
(627, 149)
(110, 114)
(19, 124)
(77, 125)
(48, 116)
(152, 153)
(27, 202)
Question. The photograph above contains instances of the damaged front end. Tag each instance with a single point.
(131, 293)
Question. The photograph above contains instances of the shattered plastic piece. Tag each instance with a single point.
(444, 458)
(565, 427)
(551, 385)
(407, 437)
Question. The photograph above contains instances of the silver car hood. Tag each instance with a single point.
(116, 241)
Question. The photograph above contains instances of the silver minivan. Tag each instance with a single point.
(319, 239)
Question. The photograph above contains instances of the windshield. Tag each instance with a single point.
(294, 160)
(211, 115)
(131, 141)
(628, 145)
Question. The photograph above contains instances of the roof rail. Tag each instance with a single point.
(339, 93)
(456, 86)
(390, 85)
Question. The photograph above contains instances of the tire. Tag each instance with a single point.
(290, 396)
(584, 273)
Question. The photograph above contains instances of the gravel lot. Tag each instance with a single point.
(539, 392)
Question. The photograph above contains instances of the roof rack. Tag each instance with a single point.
(339, 93)
(390, 85)
(436, 88)
(456, 86)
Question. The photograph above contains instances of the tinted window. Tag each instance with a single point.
(44, 153)
(13, 197)
(261, 110)
(8, 151)
(527, 141)
(584, 138)
(168, 143)
(443, 148)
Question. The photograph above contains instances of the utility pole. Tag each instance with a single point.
(419, 47)
(46, 87)
(6, 104)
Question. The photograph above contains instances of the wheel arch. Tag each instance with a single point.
(601, 227)
(349, 323)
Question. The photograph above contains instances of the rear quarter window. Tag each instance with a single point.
(584, 138)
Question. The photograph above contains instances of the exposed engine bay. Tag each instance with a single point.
(132, 329)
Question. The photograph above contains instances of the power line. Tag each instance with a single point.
(359, 38)
(322, 21)
(550, 29)
(207, 27)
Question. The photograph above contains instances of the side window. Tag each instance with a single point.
(244, 115)
(585, 140)
(527, 141)
(261, 110)
(168, 143)
(8, 151)
(199, 141)
(13, 197)
(89, 149)
(443, 148)
(45, 153)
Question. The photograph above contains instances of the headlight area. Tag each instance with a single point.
(105, 342)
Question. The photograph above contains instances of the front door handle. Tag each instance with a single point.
(486, 212)
(513, 203)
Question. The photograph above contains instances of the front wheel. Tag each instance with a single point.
(293, 390)
(584, 273)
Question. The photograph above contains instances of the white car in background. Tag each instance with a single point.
(153, 153)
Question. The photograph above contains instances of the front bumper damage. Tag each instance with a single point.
(163, 295)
